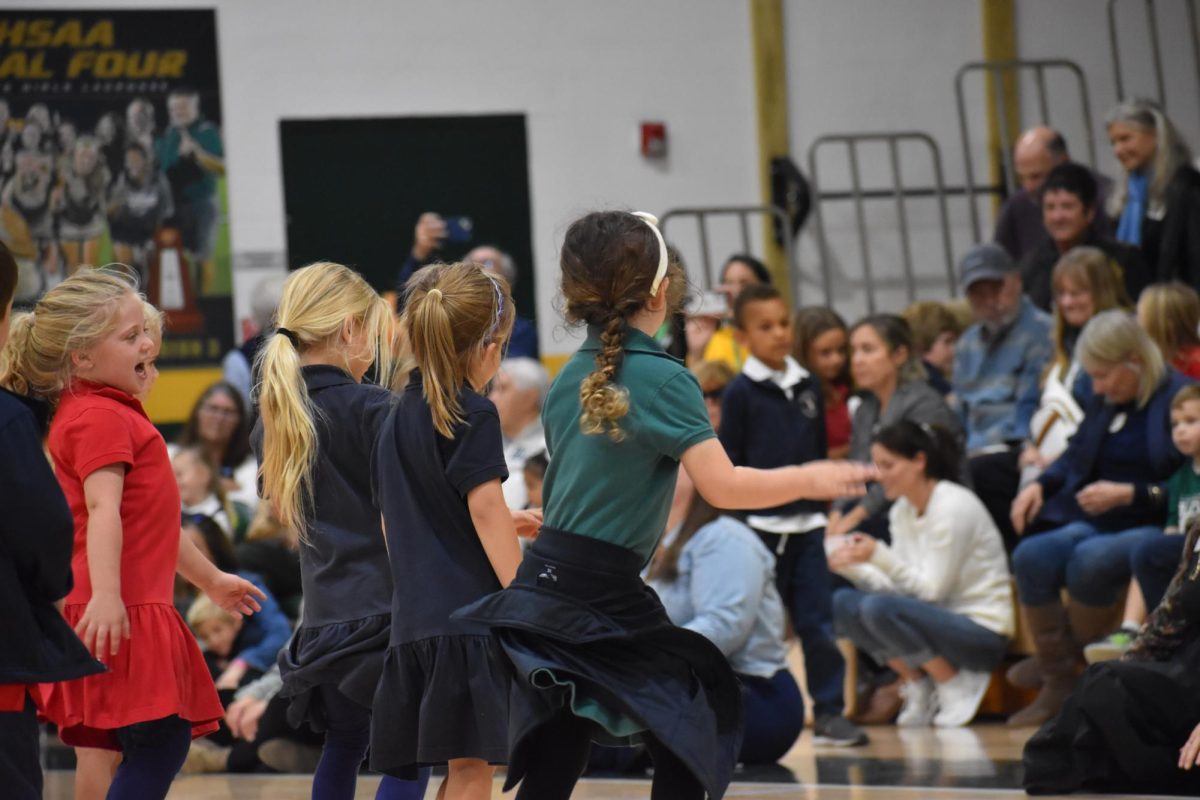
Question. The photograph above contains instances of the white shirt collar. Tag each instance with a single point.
(791, 374)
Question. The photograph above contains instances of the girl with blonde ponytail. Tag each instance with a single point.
(451, 538)
(85, 350)
(589, 641)
(314, 437)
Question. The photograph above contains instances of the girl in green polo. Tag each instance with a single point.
(593, 650)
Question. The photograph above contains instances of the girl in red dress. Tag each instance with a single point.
(85, 350)
(821, 340)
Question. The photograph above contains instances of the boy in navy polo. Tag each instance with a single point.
(772, 415)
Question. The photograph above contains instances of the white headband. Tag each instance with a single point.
(652, 221)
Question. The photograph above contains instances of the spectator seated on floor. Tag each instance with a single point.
(892, 387)
(272, 551)
(1069, 210)
(740, 271)
(517, 392)
(1083, 286)
(220, 424)
(936, 604)
(822, 348)
(201, 492)
(935, 331)
(714, 377)
(1019, 226)
(1100, 499)
(715, 577)
(998, 369)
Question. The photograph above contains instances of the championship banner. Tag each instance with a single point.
(111, 151)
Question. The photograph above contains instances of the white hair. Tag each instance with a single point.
(527, 373)
(265, 299)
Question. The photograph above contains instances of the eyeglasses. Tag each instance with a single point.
(220, 411)
(714, 394)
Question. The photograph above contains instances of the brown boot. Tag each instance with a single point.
(1090, 623)
(1058, 659)
(1025, 674)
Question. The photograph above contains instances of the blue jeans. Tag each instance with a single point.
(804, 583)
(1091, 564)
(1154, 563)
(889, 626)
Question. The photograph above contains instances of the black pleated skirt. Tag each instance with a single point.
(348, 655)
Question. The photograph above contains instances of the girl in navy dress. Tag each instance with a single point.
(314, 438)
(443, 698)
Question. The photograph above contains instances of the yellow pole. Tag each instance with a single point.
(770, 84)
(1000, 44)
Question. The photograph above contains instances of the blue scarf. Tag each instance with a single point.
(1129, 227)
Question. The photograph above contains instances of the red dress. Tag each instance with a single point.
(159, 671)
(1187, 361)
(837, 419)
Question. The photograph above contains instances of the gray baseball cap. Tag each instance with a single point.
(984, 262)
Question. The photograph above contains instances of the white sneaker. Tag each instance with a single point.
(918, 709)
(958, 698)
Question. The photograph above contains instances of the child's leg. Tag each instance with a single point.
(20, 759)
(809, 600)
(395, 789)
(672, 779)
(347, 735)
(94, 770)
(152, 753)
(467, 779)
(1135, 607)
(558, 754)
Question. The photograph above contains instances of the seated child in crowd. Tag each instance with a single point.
(534, 473)
(200, 489)
(935, 331)
(822, 343)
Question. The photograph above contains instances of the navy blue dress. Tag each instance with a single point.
(343, 563)
(443, 693)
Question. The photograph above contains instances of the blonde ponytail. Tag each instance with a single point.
(453, 311)
(317, 301)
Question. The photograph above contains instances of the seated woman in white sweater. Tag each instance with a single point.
(936, 605)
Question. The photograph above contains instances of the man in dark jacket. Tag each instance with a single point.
(1069, 207)
(36, 533)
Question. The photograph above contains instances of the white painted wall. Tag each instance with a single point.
(585, 73)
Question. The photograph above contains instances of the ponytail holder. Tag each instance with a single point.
(432, 292)
(652, 221)
(289, 335)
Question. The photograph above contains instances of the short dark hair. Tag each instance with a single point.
(536, 464)
(1074, 178)
(8, 276)
(755, 293)
(757, 267)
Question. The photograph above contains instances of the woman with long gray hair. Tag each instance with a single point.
(1157, 200)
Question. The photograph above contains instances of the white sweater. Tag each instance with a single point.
(952, 557)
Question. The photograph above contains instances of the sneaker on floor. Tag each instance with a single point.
(1111, 647)
(918, 708)
(204, 756)
(287, 756)
(838, 731)
(958, 698)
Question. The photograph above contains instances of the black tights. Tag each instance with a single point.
(559, 753)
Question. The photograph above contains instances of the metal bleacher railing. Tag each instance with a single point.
(1156, 58)
(743, 215)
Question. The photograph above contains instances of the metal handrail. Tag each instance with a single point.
(1155, 47)
(743, 213)
(899, 194)
(998, 70)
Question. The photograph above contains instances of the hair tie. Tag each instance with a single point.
(289, 335)
(652, 221)
(432, 292)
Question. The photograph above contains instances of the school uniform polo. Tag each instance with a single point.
(587, 471)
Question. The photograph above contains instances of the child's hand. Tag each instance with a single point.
(528, 522)
(232, 676)
(1189, 754)
(103, 625)
(243, 715)
(235, 595)
(829, 480)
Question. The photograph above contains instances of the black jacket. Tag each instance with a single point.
(1171, 245)
(1037, 267)
(36, 538)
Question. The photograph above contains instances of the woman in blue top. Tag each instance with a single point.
(717, 578)
(1099, 500)
(593, 650)
(314, 439)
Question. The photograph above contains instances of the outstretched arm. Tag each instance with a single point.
(726, 486)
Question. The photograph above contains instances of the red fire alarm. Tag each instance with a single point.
(654, 139)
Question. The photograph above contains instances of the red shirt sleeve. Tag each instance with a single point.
(96, 438)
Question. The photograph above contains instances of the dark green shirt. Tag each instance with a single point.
(620, 492)
(1183, 497)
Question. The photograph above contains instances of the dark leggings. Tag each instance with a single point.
(152, 753)
(347, 736)
(20, 762)
(560, 751)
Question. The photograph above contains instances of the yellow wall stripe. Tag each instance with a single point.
(999, 20)
(770, 89)
(176, 393)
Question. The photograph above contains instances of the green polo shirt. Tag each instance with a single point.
(620, 492)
